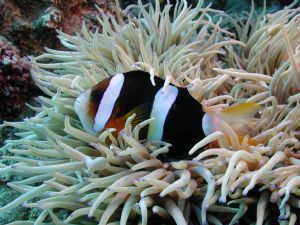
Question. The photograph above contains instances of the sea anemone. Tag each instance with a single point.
(66, 168)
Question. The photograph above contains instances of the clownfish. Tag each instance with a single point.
(179, 119)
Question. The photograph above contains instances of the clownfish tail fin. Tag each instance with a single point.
(242, 110)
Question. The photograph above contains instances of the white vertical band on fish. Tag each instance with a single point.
(208, 124)
(211, 122)
(161, 106)
(108, 100)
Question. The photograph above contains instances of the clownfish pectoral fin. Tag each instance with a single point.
(240, 111)
(142, 112)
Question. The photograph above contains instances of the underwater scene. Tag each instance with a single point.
(149, 112)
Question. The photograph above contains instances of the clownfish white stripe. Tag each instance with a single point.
(160, 109)
(208, 124)
(108, 101)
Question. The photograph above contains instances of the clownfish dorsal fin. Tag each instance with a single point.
(242, 110)
(142, 112)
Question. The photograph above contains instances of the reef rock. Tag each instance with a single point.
(31, 25)
(16, 85)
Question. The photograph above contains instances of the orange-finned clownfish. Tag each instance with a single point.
(178, 117)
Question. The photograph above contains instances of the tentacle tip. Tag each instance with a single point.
(245, 192)
(139, 180)
(89, 173)
(222, 200)
(13, 166)
(280, 218)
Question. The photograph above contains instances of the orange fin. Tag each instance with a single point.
(250, 140)
(142, 112)
(241, 138)
(241, 110)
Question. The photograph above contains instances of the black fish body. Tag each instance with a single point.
(177, 115)
(182, 127)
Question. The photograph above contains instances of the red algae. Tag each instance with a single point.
(16, 84)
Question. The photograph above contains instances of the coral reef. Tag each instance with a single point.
(16, 84)
(66, 169)
(16, 25)
(31, 25)
(72, 13)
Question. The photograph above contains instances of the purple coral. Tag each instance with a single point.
(16, 85)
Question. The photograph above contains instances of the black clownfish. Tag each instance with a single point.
(178, 118)
(177, 115)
